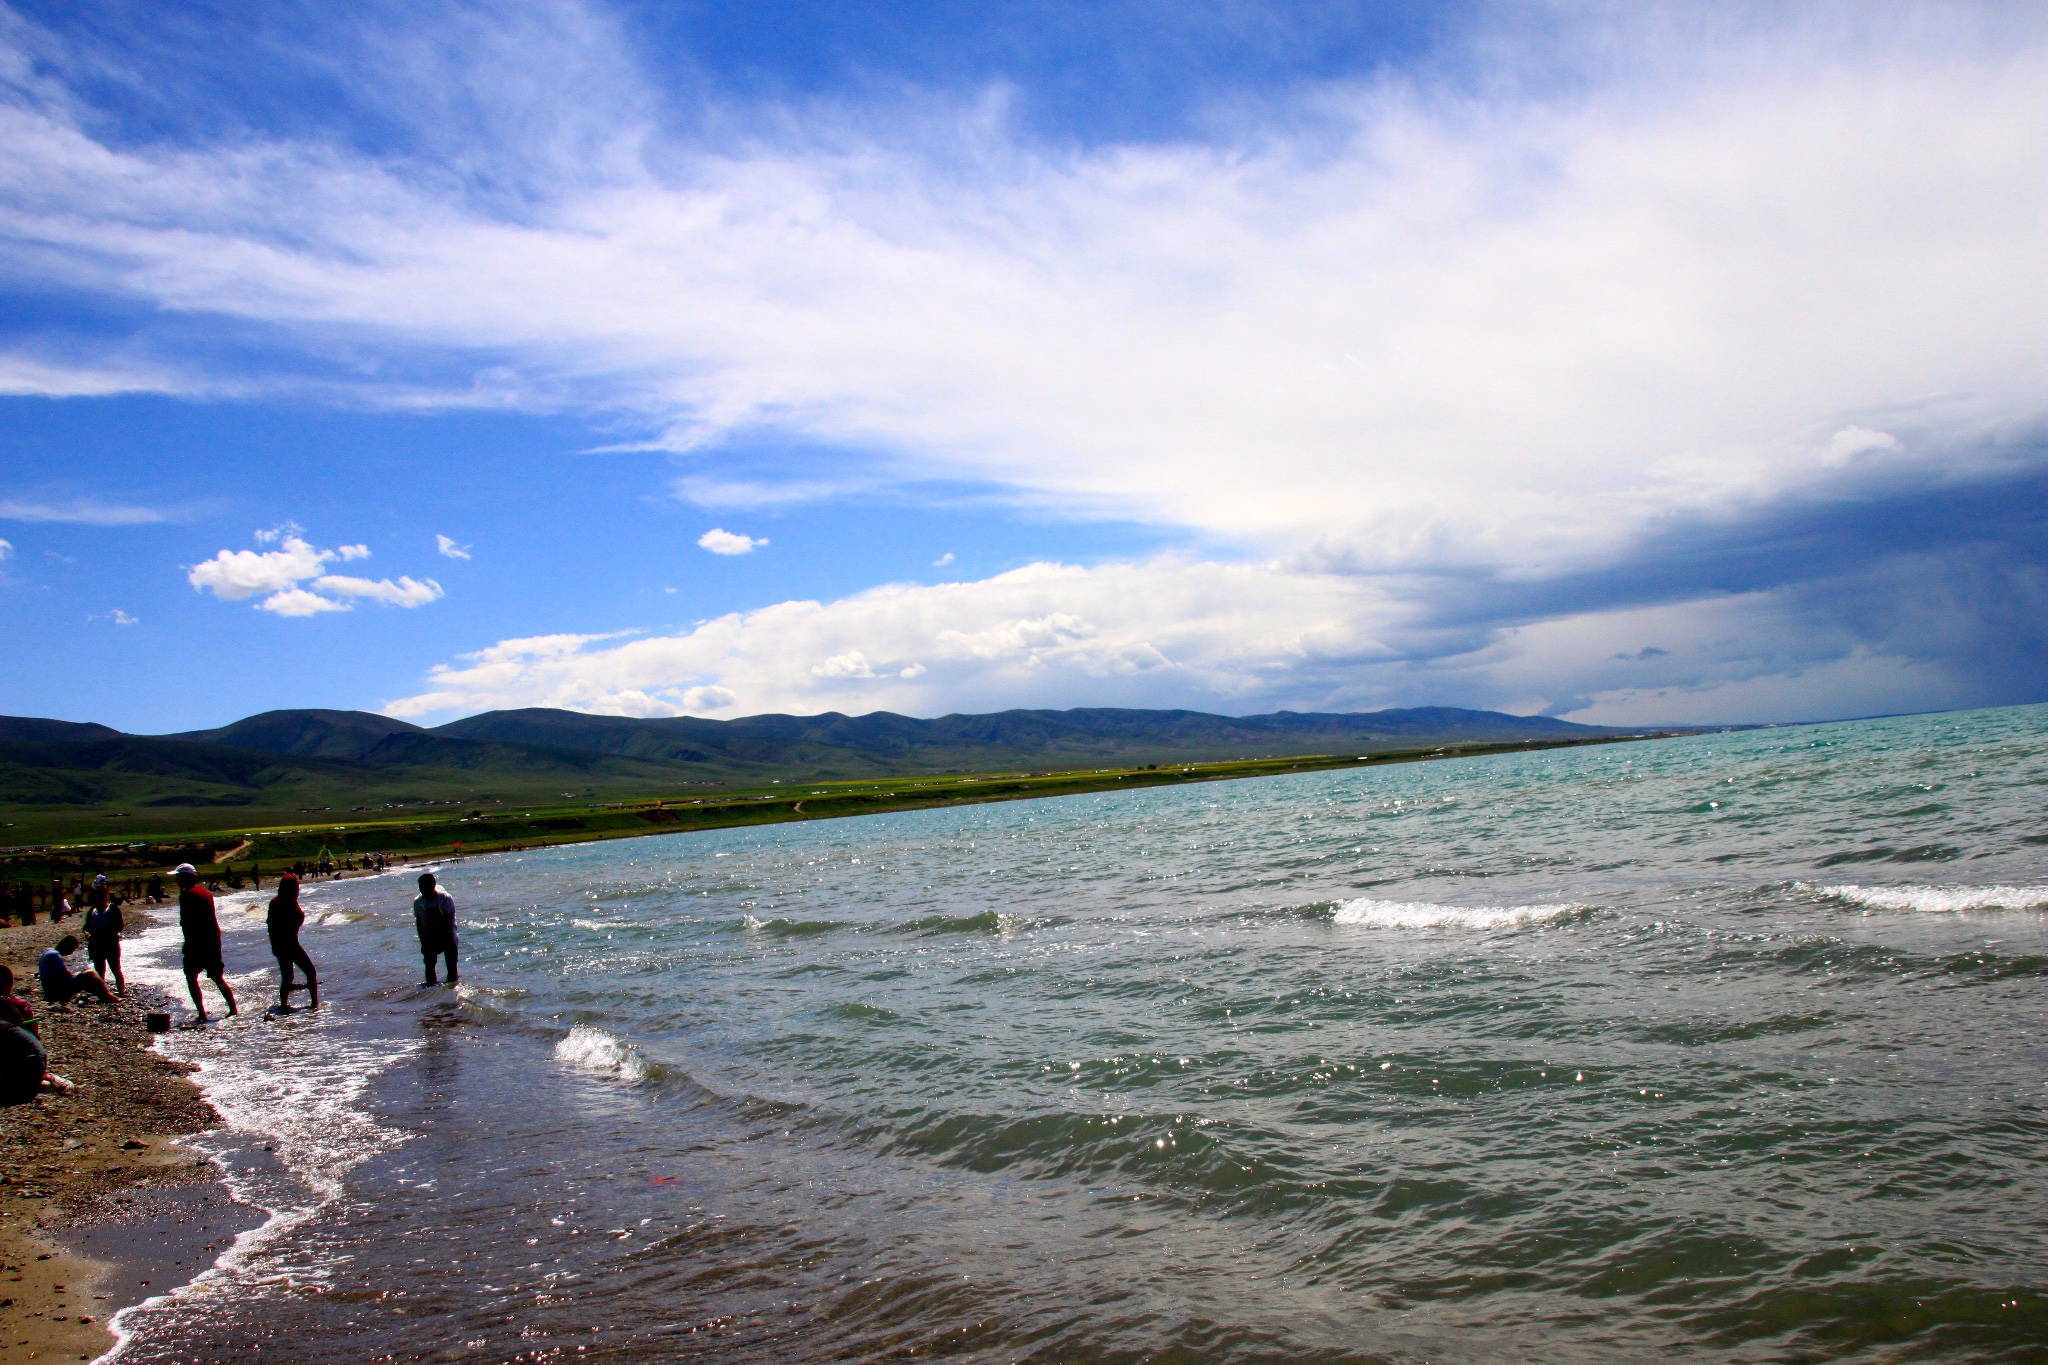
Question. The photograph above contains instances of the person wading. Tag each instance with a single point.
(433, 914)
(202, 938)
(283, 921)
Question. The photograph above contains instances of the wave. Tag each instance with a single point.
(1426, 915)
(987, 922)
(791, 928)
(606, 1054)
(1941, 900)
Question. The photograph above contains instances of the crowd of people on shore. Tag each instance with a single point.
(24, 901)
(24, 1062)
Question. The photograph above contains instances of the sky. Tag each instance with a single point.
(1626, 363)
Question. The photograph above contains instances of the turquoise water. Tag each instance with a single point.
(1722, 1048)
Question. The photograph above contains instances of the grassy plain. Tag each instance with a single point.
(68, 840)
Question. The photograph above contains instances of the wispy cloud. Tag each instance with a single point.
(449, 549)
(79, 511)
(1481, 344)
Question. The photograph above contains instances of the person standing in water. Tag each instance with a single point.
(202, 938)
(433, 914)
(284, 920)
(103, 926)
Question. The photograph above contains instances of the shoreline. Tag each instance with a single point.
(98, 1195)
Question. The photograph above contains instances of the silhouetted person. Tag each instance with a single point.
(433, 914)
(103, 926)
(60, 983)
(283, 921)
(202, 938)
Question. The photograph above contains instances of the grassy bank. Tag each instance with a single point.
(276, 839)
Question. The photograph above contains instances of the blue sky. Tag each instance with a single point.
(1627, 363)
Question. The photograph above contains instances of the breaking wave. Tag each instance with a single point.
(1941, 900)
(595, 1050)
(1425, 915)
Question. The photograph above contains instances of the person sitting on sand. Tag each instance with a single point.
(202, 938)
(15, 1009)
(433, 915)
(60, 983)
(103, 926)
(284, 919)
(23, 1064)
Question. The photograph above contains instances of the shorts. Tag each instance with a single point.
(201, 957)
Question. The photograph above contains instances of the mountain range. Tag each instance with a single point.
(315, 759)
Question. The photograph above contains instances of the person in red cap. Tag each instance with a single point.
(201, 927)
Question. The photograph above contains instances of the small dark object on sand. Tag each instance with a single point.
(157, 1022)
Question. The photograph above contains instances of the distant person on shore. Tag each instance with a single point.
(201, 928)
(24, 903)
(60, 983)
(433, 914)
(284, 920)
(156, 888)
(103, 926)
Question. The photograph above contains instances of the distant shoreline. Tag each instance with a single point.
(275, 846)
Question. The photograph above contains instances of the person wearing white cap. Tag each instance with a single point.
(202, 938)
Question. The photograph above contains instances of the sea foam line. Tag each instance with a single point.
(1426, 915)
(299, 1087)
(1941, 900)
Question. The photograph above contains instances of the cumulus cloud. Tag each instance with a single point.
(722, 542)
(234, 575)
(449, 549)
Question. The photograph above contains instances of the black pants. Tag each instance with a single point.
(432, 951)
(290, 955)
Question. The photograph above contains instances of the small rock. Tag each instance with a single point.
(133, 1146)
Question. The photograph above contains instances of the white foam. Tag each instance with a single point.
(1425, 915)
(299, 1085)
(593, 1049)
(1941, 900)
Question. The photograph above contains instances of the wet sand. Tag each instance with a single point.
(99, 1205)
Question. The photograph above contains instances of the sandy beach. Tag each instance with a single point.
(99, 1205)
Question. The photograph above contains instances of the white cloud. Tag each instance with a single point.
(406, 592)
(722, 542)
(299, 602)
(1481, 329)
(1171, 631)
(6, 550)
(449, 549)
(1850, 442)
(943, 560)
(234, 575)
(78, 511)
(122, 618)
